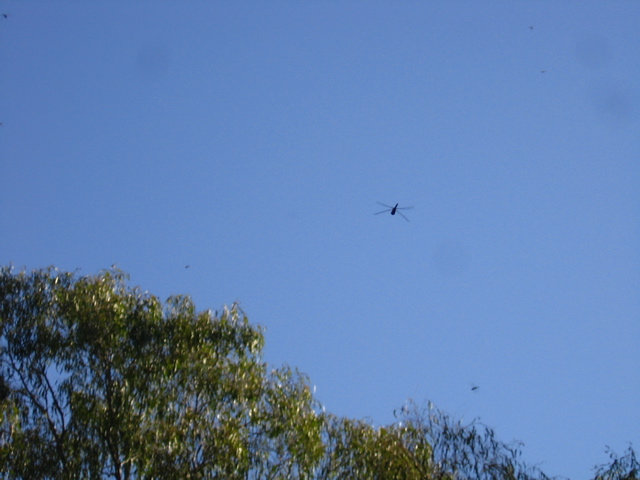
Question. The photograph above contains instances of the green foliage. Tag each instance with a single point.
(626, 467)
(424, 444)
(101, 380)
(355, 449)
(466, 451)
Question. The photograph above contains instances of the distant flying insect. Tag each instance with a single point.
(393, 210)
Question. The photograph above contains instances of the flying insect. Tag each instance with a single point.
(393, 210)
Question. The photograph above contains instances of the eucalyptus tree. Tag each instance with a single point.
(625, 467)
(423, 444)
(101, 380)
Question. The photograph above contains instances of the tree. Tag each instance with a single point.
(469, 451)
(355, 449)
(626, 467)
(101, 380)
(424, 444)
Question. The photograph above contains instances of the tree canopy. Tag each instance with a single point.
(102, 380)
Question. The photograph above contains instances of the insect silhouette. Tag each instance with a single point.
(393, 210)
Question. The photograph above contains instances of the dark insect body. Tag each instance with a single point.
(395, 209)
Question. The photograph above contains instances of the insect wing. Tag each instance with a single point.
(402, 215)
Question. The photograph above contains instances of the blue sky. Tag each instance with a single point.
(252, 140)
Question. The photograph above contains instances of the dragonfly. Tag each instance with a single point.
(393, 210)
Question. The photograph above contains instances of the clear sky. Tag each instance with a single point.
(252, 140)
